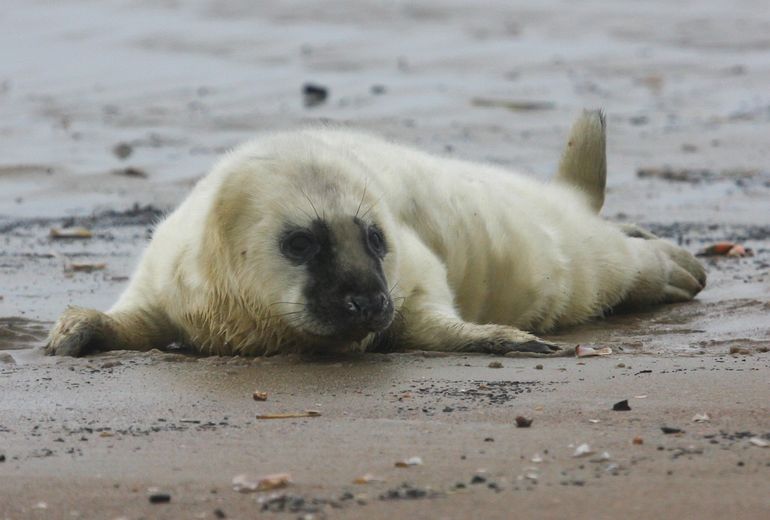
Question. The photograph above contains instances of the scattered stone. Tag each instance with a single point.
(408, 492)
(314, 95)
(218, 513)
(538, 367)
(758, 441)
(620, 365)
(159, 498)
(7, 359)
(377, 90)
(669, 430)
(478, 479)
(515, 106)
(122, 150)
(495, 364)
(130, 171)
(523, 422)
(638, 441)
(740, 351)
(259, 396)
(2, 457)
(621, 406)
(295, 415)
(696, 175)
(701, 417)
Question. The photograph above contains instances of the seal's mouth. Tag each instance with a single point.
(348, 333)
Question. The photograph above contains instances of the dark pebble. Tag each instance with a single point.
(122, 150)
(668, 430)
(523, 422)
(2, 458)
(489, 439)
(621, 406)
(314, 94)
(218, 513)
(741, 463)
(448, 409)
(160, 498)
(478, 479)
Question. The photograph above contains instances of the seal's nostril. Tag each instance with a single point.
(351, 305)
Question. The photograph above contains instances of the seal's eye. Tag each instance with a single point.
(299, 246)
(376, 242)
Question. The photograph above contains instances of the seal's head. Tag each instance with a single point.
(311, 244)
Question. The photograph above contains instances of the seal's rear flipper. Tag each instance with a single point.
(584, 162)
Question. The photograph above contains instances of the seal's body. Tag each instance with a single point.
(333, 240)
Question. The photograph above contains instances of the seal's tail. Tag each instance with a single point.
(584, 161)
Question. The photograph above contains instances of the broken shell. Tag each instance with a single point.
(75, 232)
(366, 478)
(583, 450)
(581, 351)
(245, 484)
(413, 461)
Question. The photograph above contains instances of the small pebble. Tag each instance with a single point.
(478, 479)
(523, 422)
(538, 367)
(621, 406)
(122, 150)
(495, 364)
(160, 498)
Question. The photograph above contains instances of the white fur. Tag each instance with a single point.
(477, 252)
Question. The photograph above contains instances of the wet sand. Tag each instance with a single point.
(177, 85)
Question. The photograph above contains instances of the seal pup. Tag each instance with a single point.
(331, 240)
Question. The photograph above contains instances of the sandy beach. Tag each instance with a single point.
(111, 111)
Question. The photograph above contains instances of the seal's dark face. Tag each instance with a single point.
(346, 292)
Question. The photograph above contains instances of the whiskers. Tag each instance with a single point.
(286, 314)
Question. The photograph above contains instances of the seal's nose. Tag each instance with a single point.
(364, 307)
